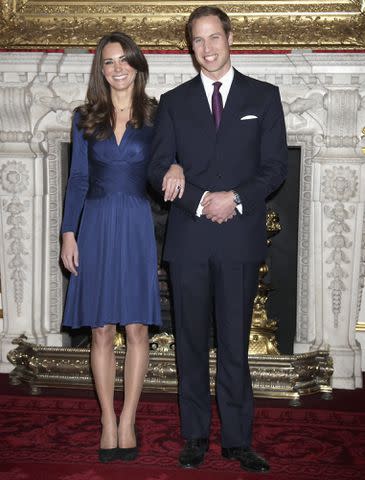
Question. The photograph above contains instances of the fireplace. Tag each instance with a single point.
(283, 255)
(324, 108)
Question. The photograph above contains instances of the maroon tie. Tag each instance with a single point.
(217, 104)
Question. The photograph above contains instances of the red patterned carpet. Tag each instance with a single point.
(56, 438)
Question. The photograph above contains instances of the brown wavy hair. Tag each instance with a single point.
(97, 116)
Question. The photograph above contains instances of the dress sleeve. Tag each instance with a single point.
(78, 181)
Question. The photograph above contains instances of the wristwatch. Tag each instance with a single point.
(236, 198)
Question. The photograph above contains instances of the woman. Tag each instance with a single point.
(114, 278)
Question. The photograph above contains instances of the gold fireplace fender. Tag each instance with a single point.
(159, 25)
(273, 376)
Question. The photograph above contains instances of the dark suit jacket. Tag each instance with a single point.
(249, 156)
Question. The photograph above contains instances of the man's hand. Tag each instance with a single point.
(219, 206)
(173, 183)
(70, 252)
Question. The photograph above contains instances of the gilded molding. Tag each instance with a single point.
(273, 376)
(273, 24)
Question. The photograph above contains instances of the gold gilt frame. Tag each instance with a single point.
(159, 24)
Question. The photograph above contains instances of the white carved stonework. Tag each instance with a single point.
(16, 183)
(340, 185)
(339, 216)
(362, 278)
(308, 149)
(337, 243)
(54, 289)
(343, 105)
(323, 99)
(14, 179)
(17, 249)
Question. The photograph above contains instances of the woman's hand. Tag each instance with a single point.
(70, 252)
(173, 183)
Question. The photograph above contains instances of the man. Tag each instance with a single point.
(230, 140)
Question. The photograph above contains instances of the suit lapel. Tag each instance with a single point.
(200, 107)
(235, 102)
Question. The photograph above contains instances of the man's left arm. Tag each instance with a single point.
(163, 153)
(273, 166)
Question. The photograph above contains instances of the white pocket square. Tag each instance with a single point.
(248, 117)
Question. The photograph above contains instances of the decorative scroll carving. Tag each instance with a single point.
(343, 105)
(339, 185)
(160, 24)
(14, 114)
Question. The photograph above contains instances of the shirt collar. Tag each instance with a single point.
(226, 80)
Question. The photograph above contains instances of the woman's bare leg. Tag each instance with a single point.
(135, 368)
(103, 368)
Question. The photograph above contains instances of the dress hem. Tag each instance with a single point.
(74, 327)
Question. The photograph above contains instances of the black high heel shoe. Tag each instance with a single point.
(129, 454)
(107, 455)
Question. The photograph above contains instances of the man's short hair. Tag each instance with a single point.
(205, 11)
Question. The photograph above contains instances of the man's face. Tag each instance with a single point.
(211, 46)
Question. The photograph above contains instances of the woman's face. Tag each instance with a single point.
(117, 71)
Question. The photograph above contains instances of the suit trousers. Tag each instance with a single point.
(225, 290)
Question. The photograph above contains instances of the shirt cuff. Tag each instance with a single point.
(199, 210)
(239, 208)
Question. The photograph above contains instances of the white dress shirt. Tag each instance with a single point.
(226, 82)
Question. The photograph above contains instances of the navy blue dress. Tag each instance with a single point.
(117, 280)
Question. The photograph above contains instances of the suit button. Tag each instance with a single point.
(219, 175)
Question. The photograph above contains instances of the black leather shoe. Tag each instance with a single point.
(248, 459)
(107, 455)
(192, 455)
